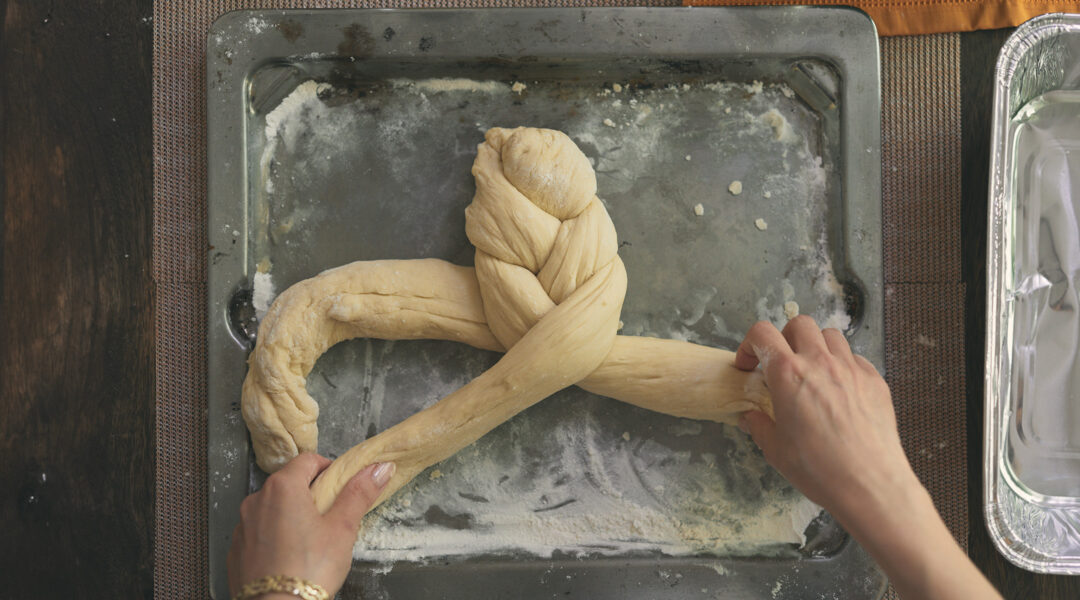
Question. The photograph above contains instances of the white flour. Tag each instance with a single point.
(619, 497)
(432, 86)
(262, 294)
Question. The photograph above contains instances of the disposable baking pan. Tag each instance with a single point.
(1032, 431)
(738, 153)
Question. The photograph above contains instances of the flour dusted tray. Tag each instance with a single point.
(737, 151)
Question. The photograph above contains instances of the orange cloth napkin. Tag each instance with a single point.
(906, 17)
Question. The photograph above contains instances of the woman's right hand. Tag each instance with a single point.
(835, 438)
(835, 434)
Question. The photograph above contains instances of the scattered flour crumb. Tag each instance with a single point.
(716, 566)
(518, 87)
(767, 194)
(449, 84)
(761, 224)
(435, 474)
(727, 110)
(791, 309)
(621, 324)
(699, 209)
(615, 87)
(626, 435)
(609, 122)
(782, 130)
(922, 340)
(687, 157)
(735, 188)
(262, 294)
(383, 568)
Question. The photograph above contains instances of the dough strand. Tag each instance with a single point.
(547, 290)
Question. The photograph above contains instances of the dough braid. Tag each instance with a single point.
(547, 289)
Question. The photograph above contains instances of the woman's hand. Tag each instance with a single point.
(282, 533)
(835, 439)
(835, 434)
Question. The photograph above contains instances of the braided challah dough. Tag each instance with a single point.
(547, 289)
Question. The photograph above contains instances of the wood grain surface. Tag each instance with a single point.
(76, 313)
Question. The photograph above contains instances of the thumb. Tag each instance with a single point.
(360, 494)
(761, 427)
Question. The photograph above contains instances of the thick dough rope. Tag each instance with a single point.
(547, 289)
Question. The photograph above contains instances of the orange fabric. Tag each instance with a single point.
(907, 17)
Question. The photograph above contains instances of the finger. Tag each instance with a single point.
(303, 468)
(866, 364)
(837, 343)
(762, 343)
(803, 335)
(762, 428)
(360, 494)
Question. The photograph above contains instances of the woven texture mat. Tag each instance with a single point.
(923, 295)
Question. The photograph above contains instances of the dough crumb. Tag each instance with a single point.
(262, 294)
(687, 157)
(626, 435)
(791, 309)
(727, 110)
(435, 475)
(609, 122)
(767, 194)
(735, 188)
(761, 224)
(616, 88)
(621, 325)
(923, 340)
(699, 209)
(518, 87)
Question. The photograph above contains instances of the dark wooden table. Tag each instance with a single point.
(77, 312)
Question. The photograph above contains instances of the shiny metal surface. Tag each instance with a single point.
(1032, 449)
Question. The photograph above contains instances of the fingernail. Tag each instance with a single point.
(382, 473)
(744, 426)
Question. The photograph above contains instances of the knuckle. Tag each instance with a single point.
(358, 488)
(344, 524)
(275, 484)
(786, 366)
(246, 507)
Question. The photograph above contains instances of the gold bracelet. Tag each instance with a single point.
(301, 588)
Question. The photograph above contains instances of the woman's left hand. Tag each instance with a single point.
(282, 533)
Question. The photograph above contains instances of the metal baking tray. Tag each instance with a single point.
(337, 136)
(1032, 431)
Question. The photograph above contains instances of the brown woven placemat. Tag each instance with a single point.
(923, 303)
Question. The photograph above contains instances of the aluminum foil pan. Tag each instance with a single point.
(1032, 447)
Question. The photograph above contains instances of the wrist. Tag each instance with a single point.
(883, 502)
